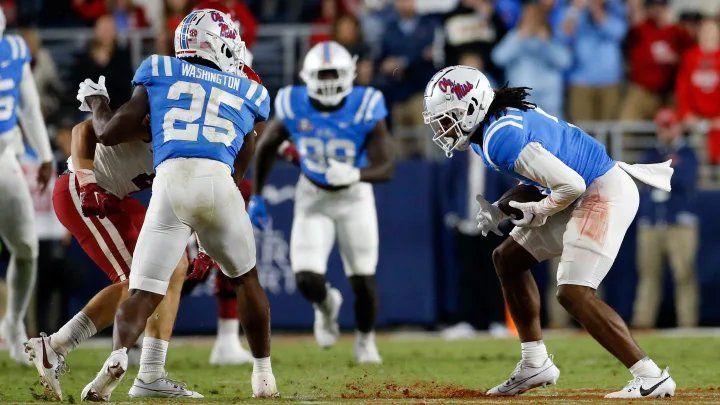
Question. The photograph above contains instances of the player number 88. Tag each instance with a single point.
(316, 152)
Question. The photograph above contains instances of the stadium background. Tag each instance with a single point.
(423, 214)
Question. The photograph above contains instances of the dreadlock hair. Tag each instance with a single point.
(506, 97)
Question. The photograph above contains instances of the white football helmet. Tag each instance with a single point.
(3, 22)
(211, 35)
(328, 55)
(456, 101)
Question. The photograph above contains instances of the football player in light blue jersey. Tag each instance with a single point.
(204, 116)
(590, 202)
(341, 136)
(19, 104)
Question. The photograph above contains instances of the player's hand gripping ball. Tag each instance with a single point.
(488, 217)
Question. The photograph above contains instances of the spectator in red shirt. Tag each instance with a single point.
(698, 86)
(127, 15)
(329, 12)
(655, 46)
(89, 10)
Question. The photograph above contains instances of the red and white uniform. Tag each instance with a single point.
(121, 170)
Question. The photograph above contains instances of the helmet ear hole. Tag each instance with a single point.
(471, 108)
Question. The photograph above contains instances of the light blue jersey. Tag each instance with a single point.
(14, 54)
(505, 137)
(198, 111)
(339, 135)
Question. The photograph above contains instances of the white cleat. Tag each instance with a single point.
(228, 351)
(163, 387)
(366, 351)
(108, 378)
(15, 337)
(326, 328)
(263, 385)
(525, 377)
(647, 387)
(49, 364)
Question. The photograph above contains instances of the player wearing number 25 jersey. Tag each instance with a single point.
(204, 114)
(340, 133)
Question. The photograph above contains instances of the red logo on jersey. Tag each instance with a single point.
(460, 90)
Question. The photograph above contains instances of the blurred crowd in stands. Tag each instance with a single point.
(586, 60)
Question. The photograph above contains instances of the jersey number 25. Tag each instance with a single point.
(198, 108)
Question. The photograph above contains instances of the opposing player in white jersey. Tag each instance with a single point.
(591, 201)
(93, 201)
(19, 104)
(340, 132)
(203, 118)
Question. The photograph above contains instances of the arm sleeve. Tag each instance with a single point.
(682, 88)
(507, 50)
(565, 184)
(144, 72)
(556, 54)
(31, 118)
(262, 102)
(376, 109)
(614, 26)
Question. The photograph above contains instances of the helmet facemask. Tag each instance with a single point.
(447, 131)
(330, 85)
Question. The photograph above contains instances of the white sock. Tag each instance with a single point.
(228, 327)
(152, 359)
(77, 330)
(325, 305)
(534, 354)
(365, 336)
(262, 365)
(645, 368)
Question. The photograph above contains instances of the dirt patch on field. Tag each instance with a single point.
(418, 390)
(432, 391)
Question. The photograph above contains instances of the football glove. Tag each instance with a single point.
(96, 201)
(341, 174)
(201, 266)
(488, 217)
(258, 212)
(89, 88)
(533, 216)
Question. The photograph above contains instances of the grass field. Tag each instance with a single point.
(417, 368)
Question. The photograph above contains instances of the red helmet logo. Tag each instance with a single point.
(460, 90)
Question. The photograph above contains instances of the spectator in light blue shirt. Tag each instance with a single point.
(532, 58)
(594, 31)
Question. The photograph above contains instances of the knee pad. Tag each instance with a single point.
(366, 301)
(311, 285)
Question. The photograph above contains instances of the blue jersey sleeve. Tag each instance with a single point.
(144, 72)
(262, 102)
(283, 106)
(377, 110)
(23, 53)
(504, 144)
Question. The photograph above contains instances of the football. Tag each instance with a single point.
(519, 193)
